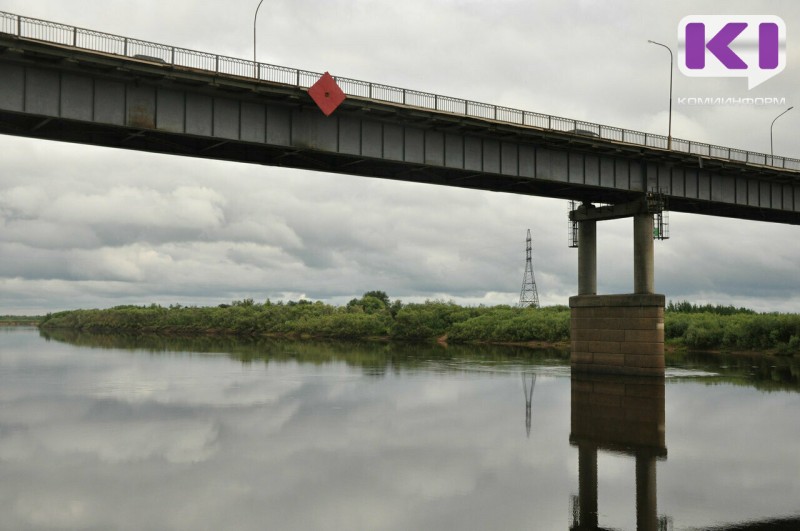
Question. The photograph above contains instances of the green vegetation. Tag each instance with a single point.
(687, 307)
(726, 328)
(375, 316)
(19, 320)
(371, 316)
(507, 324)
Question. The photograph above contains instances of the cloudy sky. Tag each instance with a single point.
(82, 226)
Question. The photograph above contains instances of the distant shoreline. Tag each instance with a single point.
(687, 327)
(34, 324)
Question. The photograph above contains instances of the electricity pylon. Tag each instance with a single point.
(528, 296)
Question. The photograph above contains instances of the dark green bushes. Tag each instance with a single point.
(20, 319)
(687, 307)
(734, 331)
(507, 324)
(430, 319)
(373, 315)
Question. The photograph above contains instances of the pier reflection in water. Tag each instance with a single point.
(623, 415)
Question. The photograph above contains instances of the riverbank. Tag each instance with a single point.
(17, 320)
(373, 316)
(380, 355)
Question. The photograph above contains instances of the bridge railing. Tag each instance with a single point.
(53, 32)
(191, 59)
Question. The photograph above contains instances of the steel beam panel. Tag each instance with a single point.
(190, 114)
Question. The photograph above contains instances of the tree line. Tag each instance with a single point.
(371, 316)
(374, 315)
(19, 320)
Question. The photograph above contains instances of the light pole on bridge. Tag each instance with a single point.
(771, 154)
(669, 133)
(255, 63)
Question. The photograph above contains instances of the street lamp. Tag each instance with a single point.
(255, 63)
(771, 154)
(669, 133)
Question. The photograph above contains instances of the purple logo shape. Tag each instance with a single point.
(751, 46)
(768, 45)
(718, 45)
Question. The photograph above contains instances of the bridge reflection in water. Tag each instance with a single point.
(623, 415)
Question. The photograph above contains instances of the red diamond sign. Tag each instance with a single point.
(326, 94)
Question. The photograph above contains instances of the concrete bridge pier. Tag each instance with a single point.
(587, 258)
(617, 334)
(643, 254)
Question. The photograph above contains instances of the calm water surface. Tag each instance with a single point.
(113, 433)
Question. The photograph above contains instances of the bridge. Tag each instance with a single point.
(64, 83)
(78, 85)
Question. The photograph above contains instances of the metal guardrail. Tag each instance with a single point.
(42, 30)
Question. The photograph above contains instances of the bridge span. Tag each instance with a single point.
(64, 83)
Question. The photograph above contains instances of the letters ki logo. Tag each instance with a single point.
(751, 46)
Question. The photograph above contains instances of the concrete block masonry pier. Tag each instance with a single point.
(617, 334)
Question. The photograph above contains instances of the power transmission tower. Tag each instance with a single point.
(528, 296)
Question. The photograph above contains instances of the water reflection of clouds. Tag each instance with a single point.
(131, 440)
(731, 452)
(431, 394)
(223, 445)
(209, 383)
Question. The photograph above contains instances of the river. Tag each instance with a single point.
(113, 433)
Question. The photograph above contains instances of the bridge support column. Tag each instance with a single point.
(587, 257)
(643, 262)
(618, 334)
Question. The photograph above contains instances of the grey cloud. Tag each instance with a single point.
(138, 227)
(184, 207)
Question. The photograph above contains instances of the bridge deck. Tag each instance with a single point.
(65, 83)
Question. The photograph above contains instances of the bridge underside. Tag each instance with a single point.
(298, 157)
(295, 157)
(66, 94)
